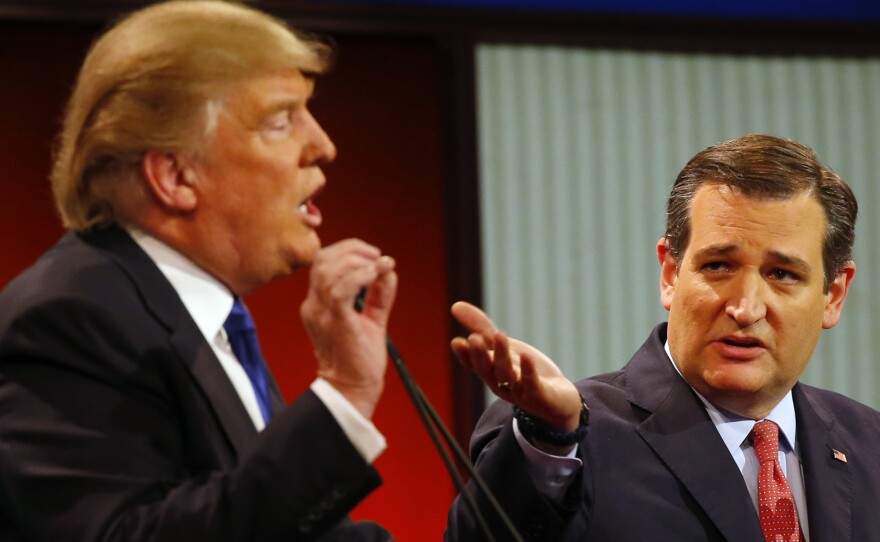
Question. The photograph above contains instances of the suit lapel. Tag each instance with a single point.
(214, 383)
(185, 338)
(827, 479)
(682, 435)
(278, 402)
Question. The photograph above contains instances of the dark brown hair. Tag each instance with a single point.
(767, 167)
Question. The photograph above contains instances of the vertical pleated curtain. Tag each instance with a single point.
(578, 150)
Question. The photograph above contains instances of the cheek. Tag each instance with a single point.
(693, 313)
(800, 331)
(697, 301)
(797, 331)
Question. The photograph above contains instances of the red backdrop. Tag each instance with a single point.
(381, 107)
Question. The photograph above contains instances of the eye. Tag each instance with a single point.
(715, 267)
(278, 122)
(784, 275)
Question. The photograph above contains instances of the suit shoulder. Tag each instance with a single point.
(837, 402)
(72, 269)
(848, 413)
(73, 295)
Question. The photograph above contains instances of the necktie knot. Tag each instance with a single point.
(765, 439)
(239, 319)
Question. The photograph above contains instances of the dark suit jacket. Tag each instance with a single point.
(655, 468)
(117, 422)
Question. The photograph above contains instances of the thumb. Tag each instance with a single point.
(380, 297)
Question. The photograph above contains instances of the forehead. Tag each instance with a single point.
(263, 94)
(723, 216)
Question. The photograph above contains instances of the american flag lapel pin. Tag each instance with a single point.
(838, 455)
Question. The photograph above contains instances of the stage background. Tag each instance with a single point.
(402, 106)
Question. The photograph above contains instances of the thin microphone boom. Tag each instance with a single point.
(428, 415)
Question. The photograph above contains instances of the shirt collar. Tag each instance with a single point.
(734, 429)
(206, 299)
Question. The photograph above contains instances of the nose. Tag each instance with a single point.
(746, 303)
(319, 148)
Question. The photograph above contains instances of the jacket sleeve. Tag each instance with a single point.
(499, 459)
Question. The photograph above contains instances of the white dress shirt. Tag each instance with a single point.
(209, 302)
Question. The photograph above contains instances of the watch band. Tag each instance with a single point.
(533, 428)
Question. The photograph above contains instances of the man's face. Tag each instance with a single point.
(256, 180)
(747, 303)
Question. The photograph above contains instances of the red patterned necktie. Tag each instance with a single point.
(776, 508)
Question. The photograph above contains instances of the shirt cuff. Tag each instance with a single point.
(364, 436)
(551, 474)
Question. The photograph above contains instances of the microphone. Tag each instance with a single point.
(430, 419)
(359, 299)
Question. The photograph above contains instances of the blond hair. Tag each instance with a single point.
(148, 84)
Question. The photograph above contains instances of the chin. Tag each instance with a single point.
(303, 251)
(733, 385)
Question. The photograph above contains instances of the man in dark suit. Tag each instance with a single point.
(134, 401)
(681, 444)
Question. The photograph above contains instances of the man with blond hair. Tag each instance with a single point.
(134, 400)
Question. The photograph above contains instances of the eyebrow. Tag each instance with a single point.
(283, 105)
(725, 250)
(792, 261)
(715, 250)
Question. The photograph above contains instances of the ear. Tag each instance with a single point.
(170, 180)
(836, 295)
(668, 272)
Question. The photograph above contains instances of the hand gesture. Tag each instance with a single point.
(350, 345)
(516, 371)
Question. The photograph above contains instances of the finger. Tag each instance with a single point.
(337, 259)
(351, 246)
(342, 291)
(462, 352)
(356, 273)
(385, 264)
(505, 367)
(383, 283)
(474, 319)
(481, 359)
(380, 296)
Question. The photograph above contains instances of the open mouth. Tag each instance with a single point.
(309, 213)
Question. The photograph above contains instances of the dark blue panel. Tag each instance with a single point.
(853, 10)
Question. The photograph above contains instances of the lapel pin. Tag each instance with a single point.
(838, 455)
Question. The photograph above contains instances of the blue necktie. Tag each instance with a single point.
(242, 335)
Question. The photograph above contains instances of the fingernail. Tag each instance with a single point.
(387, 261)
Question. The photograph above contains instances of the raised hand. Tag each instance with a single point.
(517, 372)
(350, 345)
